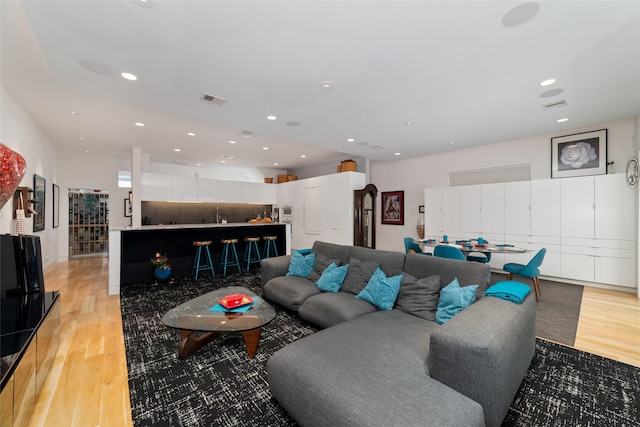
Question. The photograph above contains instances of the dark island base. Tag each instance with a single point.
(139, 246)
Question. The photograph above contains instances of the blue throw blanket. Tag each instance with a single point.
(511, 291)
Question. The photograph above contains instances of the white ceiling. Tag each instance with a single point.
(452, 68)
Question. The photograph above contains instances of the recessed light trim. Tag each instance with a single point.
(246, 134)
(272, 117)
(351, 140)
(191, 134)
(396, 154)
(327, 84)
(304, 156)
(265, 148)
(233, 142)
(547, 82)
(276, 164)
(562, 120)
(139, 124)
(74, 113)
(129, 76)
(409, 123)
(177, 150)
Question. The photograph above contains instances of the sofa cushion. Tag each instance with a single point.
(332, 278)
(419, 296)
(454, 299)
(301, 265)
(358, 275)
(381, 290)
(320, 264)
(467, 273)
(289, 291)
(392, 263)
(330, 308)
(333, 251)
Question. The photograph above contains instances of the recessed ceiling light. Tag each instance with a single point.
(409, 123)
(327, 84)
(144, 3)
(363, 143)
(451, 142)
(198, 164)
(547, 82)
(563, 120)
(304, 156)
(177, 150)
(82, 138)
(275, 164)
(272, 117)
(246, 134)
(223, 161)
(232, 142)
(74, 113)
(265, 148)
(129, 76)
(139, 124)
(396, 154)
(292, 124)
(86, 151)
(350, 140)
(191, 134)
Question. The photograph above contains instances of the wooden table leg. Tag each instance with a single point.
(190, 345)
(251, 340)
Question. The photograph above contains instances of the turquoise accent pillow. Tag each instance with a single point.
(381, 290)
(454, 299)
(332, 278)
(301, 265)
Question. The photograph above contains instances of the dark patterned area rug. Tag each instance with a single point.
(221, 386)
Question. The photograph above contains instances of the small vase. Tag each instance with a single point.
(420, 227)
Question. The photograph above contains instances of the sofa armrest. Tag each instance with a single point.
(274, 267)
(484, 352)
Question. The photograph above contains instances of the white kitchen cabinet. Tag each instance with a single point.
(493, 209)
(614, 208)
(451, 210)
(184, 188)
(517, 208)
(312, 209)
(258, 192)
(209, 190)
(577, 207)
(230, 191)
(545, 207)
(433, 212)
(470, 211)
(156, 187)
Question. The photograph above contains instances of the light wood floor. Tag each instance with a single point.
(88, 382)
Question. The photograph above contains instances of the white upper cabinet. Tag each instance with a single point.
(577, 207)
(615, 208)
(209, 190)
(545, 207)
(517, 208)
(156, 187)
(258, 192)
(493, 208)
(184, 188)
(230, 191)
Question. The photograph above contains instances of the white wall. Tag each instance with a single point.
(18, 132)
(414, 175)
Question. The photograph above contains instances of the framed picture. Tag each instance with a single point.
(393, 207)
(39, 192)
(127, 207)
(56, 205)
(580, 154)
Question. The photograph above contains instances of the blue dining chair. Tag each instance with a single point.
(410, 246)
(531, 270)
(480, 256)
(446, 251)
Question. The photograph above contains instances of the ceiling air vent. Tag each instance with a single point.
(555, 104)
(376, 147)
(215, 100)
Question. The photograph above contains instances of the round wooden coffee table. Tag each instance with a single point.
(196, 315)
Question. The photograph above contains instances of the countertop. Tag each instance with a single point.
(186, 226)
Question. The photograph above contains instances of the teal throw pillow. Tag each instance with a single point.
(301, 265)
(332, 278)
(381, 290)
(454, 299)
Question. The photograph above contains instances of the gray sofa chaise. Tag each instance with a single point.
(372, 367)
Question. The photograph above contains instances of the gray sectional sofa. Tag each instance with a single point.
(371, 367)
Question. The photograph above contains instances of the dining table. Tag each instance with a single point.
(471, 245)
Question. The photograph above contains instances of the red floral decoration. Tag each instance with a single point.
(12, 168)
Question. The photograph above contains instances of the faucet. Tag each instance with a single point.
(217, 214)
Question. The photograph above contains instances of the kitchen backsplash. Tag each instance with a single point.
(154, 213)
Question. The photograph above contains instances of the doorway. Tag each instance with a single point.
(88, 223)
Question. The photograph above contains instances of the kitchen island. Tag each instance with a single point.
(131, 248)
